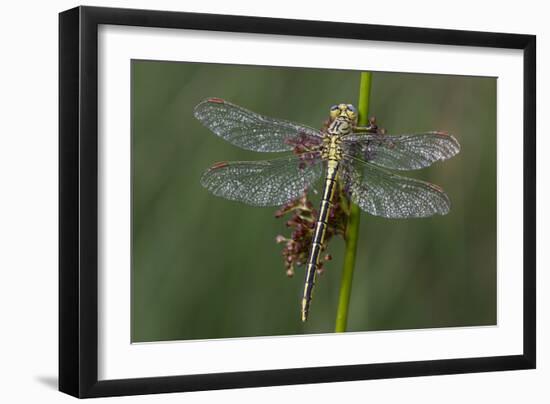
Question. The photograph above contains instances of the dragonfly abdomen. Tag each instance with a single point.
(319, 235)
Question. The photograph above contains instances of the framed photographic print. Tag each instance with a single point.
(250, 201)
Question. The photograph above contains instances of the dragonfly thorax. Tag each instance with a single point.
(331, 149)
(341, 126)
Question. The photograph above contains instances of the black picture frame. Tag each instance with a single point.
(78, 201)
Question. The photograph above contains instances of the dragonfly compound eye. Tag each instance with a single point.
(334, 112)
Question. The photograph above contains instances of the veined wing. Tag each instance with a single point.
(401, 152)
(251, 131)
(264, 183)
(385, 194)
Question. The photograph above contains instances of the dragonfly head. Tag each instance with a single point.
(346, 111)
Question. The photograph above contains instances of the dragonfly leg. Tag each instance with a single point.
(371, 127)
(365, 129)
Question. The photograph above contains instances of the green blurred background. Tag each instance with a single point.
(204, 267)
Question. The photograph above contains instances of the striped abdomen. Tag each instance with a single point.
(319, 235)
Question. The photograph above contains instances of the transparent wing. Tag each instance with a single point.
(385, 194)
(263, 183)
(402, 152)
(251, 131)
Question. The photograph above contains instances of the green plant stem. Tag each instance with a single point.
(352, 228)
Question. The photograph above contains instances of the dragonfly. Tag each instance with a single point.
(341, 151)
